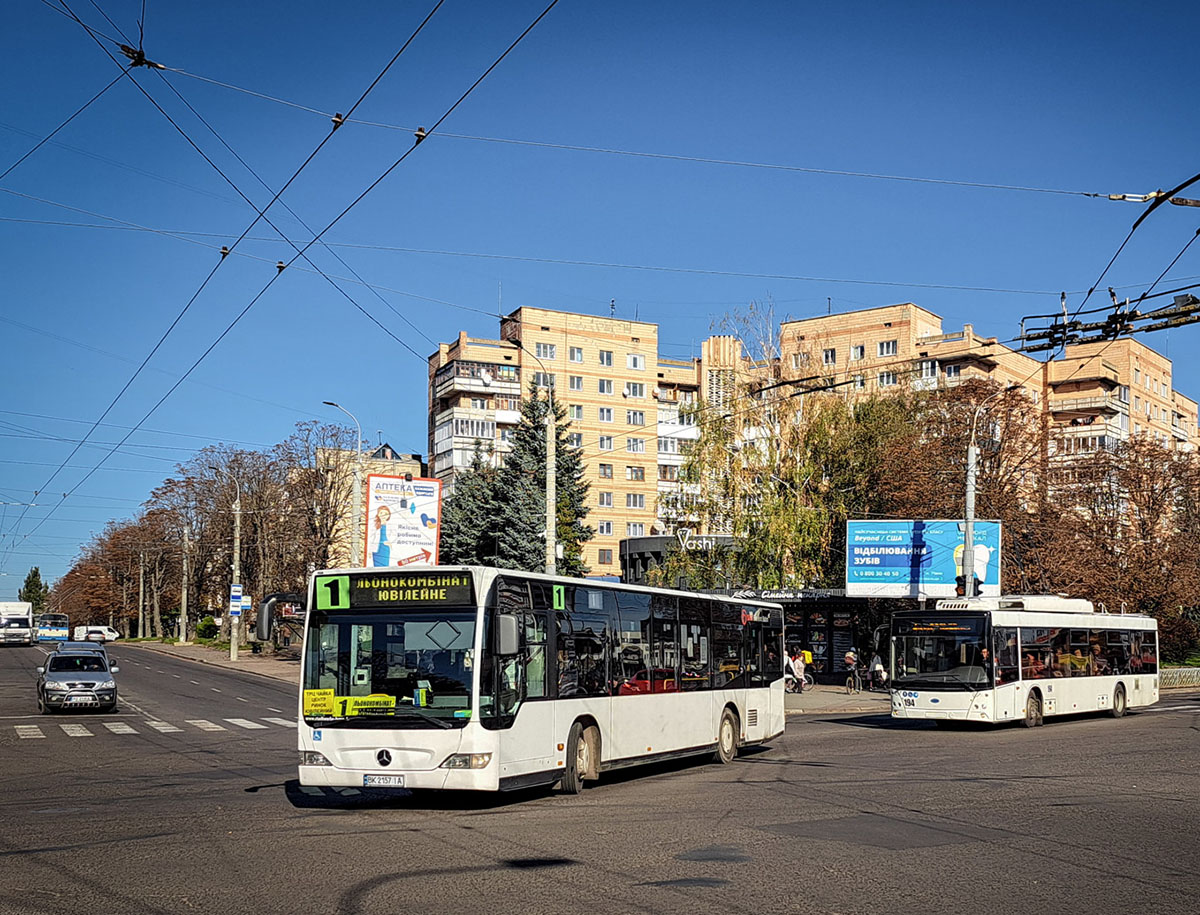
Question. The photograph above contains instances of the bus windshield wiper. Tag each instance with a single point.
(415, 714)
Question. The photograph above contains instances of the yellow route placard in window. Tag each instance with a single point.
(363, 705)
(318, 702)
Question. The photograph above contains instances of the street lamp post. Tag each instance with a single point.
(967, 566)
(237, 558)
(359, 558)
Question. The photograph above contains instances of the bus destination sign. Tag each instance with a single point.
(380, 590)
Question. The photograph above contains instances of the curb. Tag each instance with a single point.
(211, 663)
(838, 711)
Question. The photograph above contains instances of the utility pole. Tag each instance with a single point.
(141, 595)
(183, 590)
(237, 560)
(551, 487)
(967, 566)
(359, 523)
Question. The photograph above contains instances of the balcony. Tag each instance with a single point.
(1180, 433)
(1092, 405)
(461, 377)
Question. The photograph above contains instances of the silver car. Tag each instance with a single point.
(73, 680)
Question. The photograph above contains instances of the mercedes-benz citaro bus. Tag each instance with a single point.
(53, 627)
(1020, 658)
(489, 679)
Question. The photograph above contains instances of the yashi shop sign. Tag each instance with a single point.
(917, 558)
(691, 541)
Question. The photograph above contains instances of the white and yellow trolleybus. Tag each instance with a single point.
(488, 679)
(1020, 658)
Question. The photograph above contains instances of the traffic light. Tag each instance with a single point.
(960, 586)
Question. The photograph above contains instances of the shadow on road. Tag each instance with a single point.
(308, 797)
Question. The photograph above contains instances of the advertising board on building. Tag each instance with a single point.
(917, 558)
(403, 521)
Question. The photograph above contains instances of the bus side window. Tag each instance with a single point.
(534, 655)
(1004, 649)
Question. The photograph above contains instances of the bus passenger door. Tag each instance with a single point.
(528, 746)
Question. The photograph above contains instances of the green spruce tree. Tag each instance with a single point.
(34, 590)
(470, 528)
(522, 495)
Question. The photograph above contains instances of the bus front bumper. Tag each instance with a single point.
(386, 779)
(950, 706)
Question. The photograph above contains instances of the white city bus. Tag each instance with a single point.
(489, 679)
(53, 627)
(1020, 658)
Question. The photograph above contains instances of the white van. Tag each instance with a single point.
(96, 634)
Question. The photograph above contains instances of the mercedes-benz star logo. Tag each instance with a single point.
(384, 758)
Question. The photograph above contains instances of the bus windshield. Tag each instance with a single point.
(941, 650)
(409, 669)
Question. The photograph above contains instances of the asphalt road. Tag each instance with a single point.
(850, 814)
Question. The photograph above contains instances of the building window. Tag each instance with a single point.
(635, 417)
(799, 359)
(475, 428)
(506, 435)
(888, 347)
(606, 443)
(577, 354)
(542, 380)
(604, 557)
(606, 500)
(635, 389)
(860, 382)
(605, 414)
(575, 439)
(668, 473)
(575, 382)
(858, 353)
(605, 386)
(635, 473)
(635, 445)
(606, 471)
(887, 379)
(575, 411)
(545, 350)
(953, 371)
(668, 444)
(508, 403)
(829, 357)
(606, 357)
(635, 500)
(929, 368)
(635, 361)
(635, 529)
(604, 528)
(1123, 393)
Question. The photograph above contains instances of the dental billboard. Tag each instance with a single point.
(917, 558)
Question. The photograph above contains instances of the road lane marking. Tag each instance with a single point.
(76, 730)
(177, 677)
(240, 699)
(29, 731)
(163, 728)
(197, 682)
(248, 725)
(269, 709)
(205, 725)
(282, 722)
(214, 689)
(119, 727)
(1171, 708)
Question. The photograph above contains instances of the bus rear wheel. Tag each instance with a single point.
(1033, 711)
(1119, 703)
(578, 762)
(726, 739)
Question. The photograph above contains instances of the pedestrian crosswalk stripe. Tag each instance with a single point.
(282, 722)
(162, 727)
(29, 731)
(205, 725)
(247, 724)
(119, 727)
(76, 730)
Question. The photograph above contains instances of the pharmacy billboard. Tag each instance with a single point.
(403, 521)
(917, 558)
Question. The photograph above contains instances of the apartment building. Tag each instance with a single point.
(628, 409)
(1094, 395)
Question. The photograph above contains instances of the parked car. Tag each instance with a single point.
(77, 679)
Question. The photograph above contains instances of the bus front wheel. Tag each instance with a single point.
(1119, 704)
(578, 761)
(726, 738)
(1033, 711)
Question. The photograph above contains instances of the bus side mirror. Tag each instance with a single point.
(508, 636)
(266, 613)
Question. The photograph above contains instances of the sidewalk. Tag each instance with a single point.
(283, 665)
(834, 700)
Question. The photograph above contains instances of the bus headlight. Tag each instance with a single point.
(467, 761)
(313, 758)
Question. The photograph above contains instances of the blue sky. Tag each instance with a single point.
(1090, 97)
